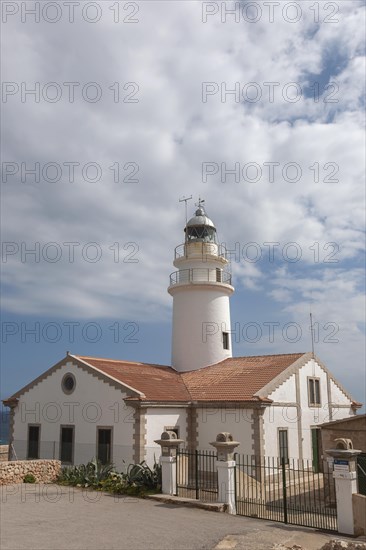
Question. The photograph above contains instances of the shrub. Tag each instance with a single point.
(86, 475)
(114, 483)
(141, 475)
(137, 480)
(29, 478)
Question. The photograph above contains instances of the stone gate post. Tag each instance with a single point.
(345, 477)
(169, 444)
(225, 466)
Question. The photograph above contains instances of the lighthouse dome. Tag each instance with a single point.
(200, 218)
(200, 227)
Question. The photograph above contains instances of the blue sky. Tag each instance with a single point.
(161, 105)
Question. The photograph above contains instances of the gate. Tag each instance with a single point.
(361, 473)
(288, 490)
(197, 475)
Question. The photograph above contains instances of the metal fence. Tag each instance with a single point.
(288, 490)
(197, 475)
(81, 453)
(200, 275)
(361, 473)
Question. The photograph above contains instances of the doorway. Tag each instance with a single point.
(104, 445)
(67, 444)
(316, 446)
(33, 442)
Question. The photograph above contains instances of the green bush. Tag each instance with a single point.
(29, 478)
(141, 475)
(114, 483)
(138, 479)
(92, 474)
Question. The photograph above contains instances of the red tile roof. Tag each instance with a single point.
(237, 378)
(234, 379)
(155, 382)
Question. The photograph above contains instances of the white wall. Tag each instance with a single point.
(276, 417)
(200, 315)
(314, 416)
(337, 397)
(156, 421)
(286, 392)
(237, 421)
(92, 404)
(311, 417)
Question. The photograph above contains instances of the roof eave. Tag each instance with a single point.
(37, 380)
(283, 375)
(122, 384)
(10, 401)
(342, 420)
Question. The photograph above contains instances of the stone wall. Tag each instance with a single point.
(359, 514)
(353, 428)
(45, 471)
(4, 452)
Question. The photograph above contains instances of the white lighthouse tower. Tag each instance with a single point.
(201, 289)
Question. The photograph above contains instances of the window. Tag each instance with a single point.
(225, 340)
(314, 391)
(67, 444)
(68, 383)
(218, 275)
(283, 445)
(201, 233)
(104, 445)
(33, 442)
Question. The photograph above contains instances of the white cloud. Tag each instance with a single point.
(169, 133)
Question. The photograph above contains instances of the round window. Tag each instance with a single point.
(68, 383)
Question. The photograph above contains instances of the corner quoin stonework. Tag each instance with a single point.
(139, 435)
(192, 428)
(258, 432)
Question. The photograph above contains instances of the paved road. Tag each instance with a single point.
(51, 517)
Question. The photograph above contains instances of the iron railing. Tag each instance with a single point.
(361, 473)
(200, 275)
(197, 475)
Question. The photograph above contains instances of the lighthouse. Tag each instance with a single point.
(201, 289)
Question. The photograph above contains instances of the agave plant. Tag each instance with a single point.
(99, 472)
(141, 475)
(96, 475)
(86, 475)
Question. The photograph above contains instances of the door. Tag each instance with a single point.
(67, 444)
(33, 442)
(104, 450)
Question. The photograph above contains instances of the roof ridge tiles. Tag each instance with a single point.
(124, 361)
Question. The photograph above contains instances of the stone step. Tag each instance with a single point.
(182, 501)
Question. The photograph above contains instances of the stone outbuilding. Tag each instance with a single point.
(353, 428)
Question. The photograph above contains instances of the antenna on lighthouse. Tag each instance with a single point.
(312, 334)
(200, 202)
(311, 324)
(185, 199)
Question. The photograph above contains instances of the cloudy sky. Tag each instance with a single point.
(112, 111)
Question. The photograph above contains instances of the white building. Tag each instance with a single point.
(84, 407)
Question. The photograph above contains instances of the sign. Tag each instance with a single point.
(341, 464)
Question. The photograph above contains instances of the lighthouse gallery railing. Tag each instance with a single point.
(200, 275)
